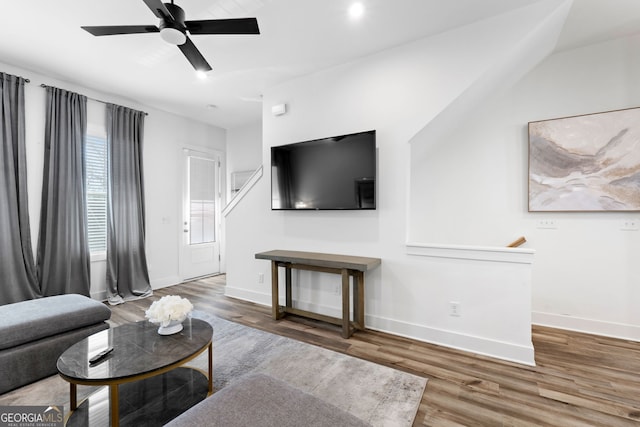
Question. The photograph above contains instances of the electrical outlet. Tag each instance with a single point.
(260, 277)
(547, 223)
(455, 309)
(629, 225)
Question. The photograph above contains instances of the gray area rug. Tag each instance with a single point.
(377, 394)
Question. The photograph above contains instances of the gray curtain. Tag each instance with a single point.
(127, 274)
(63, 247)
(18, 281)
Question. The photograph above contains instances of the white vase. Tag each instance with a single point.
(173, 327)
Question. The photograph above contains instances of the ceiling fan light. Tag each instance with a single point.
(356, 10)
(173, 36)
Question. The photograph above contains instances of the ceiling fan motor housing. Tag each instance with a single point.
(172, 28)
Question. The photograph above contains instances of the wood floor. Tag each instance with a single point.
(579, 380)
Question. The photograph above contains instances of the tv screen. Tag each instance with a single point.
(329, 173)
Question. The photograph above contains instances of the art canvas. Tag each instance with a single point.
(585, 163)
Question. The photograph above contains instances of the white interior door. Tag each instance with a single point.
(200, 249)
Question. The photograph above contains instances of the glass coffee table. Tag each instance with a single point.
(146, 383)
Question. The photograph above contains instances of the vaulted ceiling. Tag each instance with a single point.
(297, 38)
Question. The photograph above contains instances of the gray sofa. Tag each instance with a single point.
(261, 400)
(34, 333)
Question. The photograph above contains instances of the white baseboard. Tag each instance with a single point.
(523, 354)
(512, 352)
(251, 296)
(589, 326)
(99, 296)
(265, 299)
(163, 282)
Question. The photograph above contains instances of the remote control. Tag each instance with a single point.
(98, 357)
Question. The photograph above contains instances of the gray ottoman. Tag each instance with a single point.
(260, 400)
(34, 333)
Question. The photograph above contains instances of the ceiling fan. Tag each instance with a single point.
(173, 29)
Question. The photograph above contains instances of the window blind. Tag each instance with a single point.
(95, 158)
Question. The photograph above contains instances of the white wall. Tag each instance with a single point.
(397, 92)
(587, 271)
(165, 135)
(588, 263)
(244, 150)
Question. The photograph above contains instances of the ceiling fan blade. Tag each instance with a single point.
(121, 29)
(224, 26)
(159, 9)
(194, 56)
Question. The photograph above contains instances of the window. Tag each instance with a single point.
(202, 195)
(95, 158)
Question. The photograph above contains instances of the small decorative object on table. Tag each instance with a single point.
(169, 311)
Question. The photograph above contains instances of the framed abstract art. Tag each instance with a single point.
(585, 163)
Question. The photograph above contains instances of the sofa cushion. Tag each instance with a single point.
(261, 400)
(26, 321)
(35, 360)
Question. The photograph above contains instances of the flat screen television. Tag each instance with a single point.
(335, 173)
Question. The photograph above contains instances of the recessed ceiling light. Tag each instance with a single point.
(356, 10)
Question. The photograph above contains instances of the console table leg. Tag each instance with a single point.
(358, 300)
(287, 281)
(275, 303)
(346, 327)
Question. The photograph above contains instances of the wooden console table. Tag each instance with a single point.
(344, 265)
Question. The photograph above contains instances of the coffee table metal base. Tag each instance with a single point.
(153, 401)
(140, 354)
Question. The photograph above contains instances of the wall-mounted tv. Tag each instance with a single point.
(330, 173)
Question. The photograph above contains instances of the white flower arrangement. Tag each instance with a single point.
(168, 308)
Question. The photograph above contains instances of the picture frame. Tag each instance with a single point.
(585, 163)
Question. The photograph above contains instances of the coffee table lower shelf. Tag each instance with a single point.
(150, 402)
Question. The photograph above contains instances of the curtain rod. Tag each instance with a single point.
(25, 80)
(93, 99)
